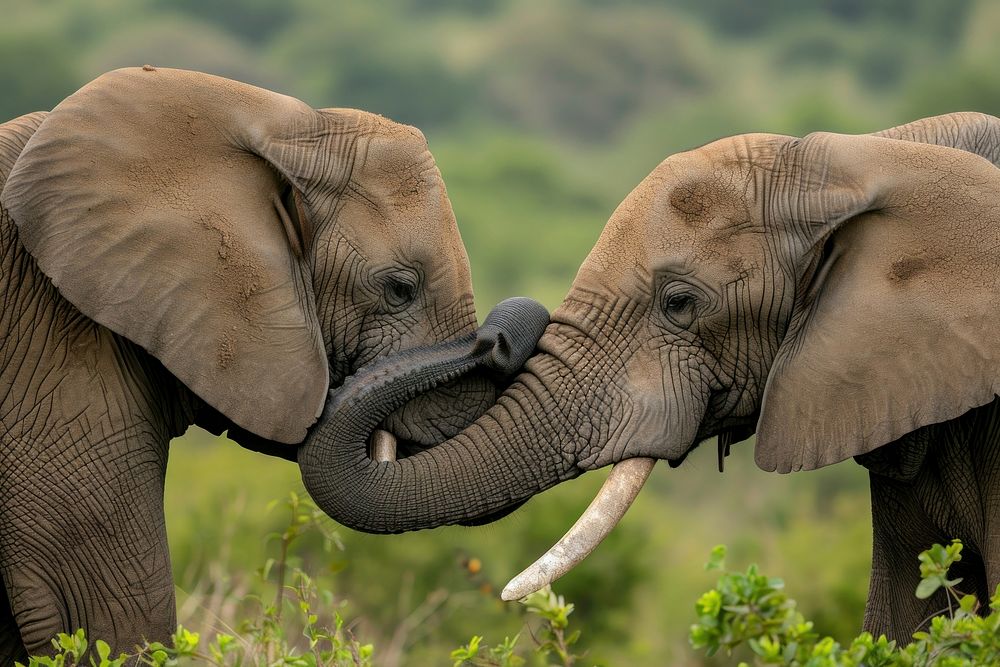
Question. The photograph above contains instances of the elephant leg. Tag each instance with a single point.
(84, 542)
(990, 486)
(900, 531)
(11, 647)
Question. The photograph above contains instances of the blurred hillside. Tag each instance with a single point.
(542, 117)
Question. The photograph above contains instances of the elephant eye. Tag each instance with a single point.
(399, 291)
(681, 308)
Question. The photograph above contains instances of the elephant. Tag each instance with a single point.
(177, 249)
(835, 294)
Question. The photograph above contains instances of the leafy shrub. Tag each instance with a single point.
(551, 638)
(294, 629)
(302, 625)
(749, 608)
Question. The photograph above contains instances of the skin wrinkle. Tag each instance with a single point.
(591, 351)
(445, 466)
(751, 216)
(588, 389)
(951, 494)
(103, 564)
(76, 450)
(368, 325)
(610, 324)
(651, 184)
(365, 328)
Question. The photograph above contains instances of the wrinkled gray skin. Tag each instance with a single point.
(833, 294)
(177, 248)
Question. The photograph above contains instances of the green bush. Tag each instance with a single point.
(751, 609)
(302, 625)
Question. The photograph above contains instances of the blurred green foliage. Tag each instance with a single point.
(745, 614)
(542, 117)
(749, 614)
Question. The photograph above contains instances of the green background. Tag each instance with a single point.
(542, 116)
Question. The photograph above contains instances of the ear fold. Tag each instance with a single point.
(167, 206)
(897, 330)
(976, 133)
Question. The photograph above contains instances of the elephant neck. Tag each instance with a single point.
(938, 483)
(66, 378)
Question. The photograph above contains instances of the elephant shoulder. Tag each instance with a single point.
(14, 134)
(900, 459)
(948, 443)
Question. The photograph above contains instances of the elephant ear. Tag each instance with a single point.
(977, 133)
(167, 206)
(897, 329)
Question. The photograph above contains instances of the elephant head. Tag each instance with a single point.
(260, 249)
(759, 283)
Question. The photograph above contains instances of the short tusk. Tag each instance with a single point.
(383, 446)
(601, 516)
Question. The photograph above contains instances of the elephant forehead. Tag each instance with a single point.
(660, 238)
(693, 210)
(399, 180)
(394, 152)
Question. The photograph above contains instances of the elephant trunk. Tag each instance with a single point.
(483, 472)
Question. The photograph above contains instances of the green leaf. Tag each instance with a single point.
(717, 558)
(709, 604)
(969, 604)
(265, 571)
(928, 586)
(466, 653)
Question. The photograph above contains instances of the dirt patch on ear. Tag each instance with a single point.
(905, 268)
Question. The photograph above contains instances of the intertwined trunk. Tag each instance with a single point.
(516, 449)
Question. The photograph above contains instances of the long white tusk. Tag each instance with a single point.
(383, 446)
(601, 516)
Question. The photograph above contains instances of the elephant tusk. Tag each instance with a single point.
(601, 516)
(383, 446)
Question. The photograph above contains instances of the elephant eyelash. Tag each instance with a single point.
(681, 305)
(680, 302)
(399, 289)
(399, 292)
